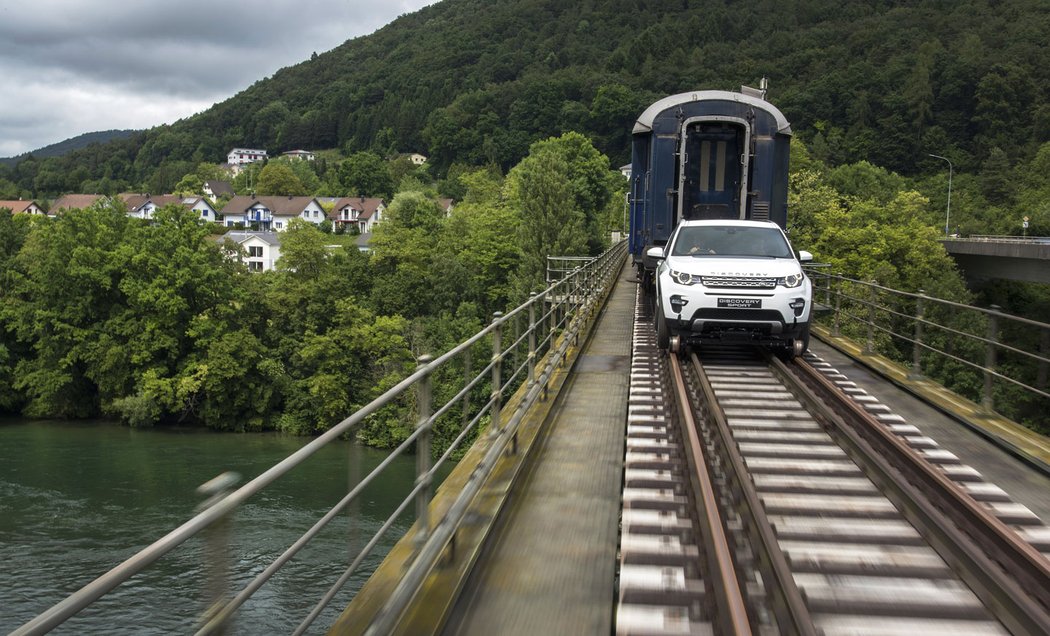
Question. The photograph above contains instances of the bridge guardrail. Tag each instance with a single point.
(983, 354)
(997, 238)
(541, 329)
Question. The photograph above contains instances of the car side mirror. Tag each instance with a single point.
(656, 252)
(804, 256)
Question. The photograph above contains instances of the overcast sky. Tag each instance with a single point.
(76, 66)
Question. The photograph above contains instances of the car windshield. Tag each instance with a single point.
(721, 240)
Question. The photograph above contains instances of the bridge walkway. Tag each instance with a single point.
(551, 569)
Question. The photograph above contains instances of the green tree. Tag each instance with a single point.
(189, 185)
(64, 285)
(366, 174)
(278, 179)
(172, 277)
(403, 248)
(550, 221)
(13, 232)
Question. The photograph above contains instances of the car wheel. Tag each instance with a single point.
(663, 334)
(795, 347)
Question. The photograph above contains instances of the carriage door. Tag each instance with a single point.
(713, 177)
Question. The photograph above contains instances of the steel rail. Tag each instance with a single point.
(727, 586)
(792, 613)
(1009, 575)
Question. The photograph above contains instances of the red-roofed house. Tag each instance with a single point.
(271, 212)
(142, 206)
(21, 207)
(360, 212)
(75, 202)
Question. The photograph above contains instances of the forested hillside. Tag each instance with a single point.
(522, 107)
(69, 145)
(476, 81)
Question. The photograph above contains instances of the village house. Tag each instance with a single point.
(143, 206)
(447, 205)
(299, 155)
(21, 207)
(215, 189)
(360, 213)
(417, 159)
(75, 202)
(271, 213)
(241, 156)
(203, 208)
(259, 251)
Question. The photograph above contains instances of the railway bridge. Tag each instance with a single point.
(612, 488)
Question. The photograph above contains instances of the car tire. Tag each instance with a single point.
(787, 351)
(663, 334)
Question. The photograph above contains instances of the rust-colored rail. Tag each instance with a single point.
(792, 613)
(727, 589)
(1009, 575)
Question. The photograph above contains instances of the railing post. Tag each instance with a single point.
(578, 286)
(216, 553)
(495, 428)
(869, 345)
(425, 401)
(1041, 378)
(353, 510)
(990, 356)
(1044, 349)
(467, 364)
(916, 351)
(838, 308)
(532, 339)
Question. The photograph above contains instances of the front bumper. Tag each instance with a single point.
(773, 317)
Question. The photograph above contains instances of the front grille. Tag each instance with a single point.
(738, 282)
(752, 315)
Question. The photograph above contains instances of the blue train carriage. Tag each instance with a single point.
(706, 155)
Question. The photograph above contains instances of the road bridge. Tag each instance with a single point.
(1006, 257)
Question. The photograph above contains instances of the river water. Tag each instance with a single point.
(76, 499)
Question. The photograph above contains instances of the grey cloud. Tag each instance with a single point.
(151, 62)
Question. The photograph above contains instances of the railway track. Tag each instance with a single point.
(773, 498)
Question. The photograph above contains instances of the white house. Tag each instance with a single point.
(144, 206)
(299, 155)
(271, 213)
(360, 212)
(241, 156)
(260, 249)
(417, 159)
(215, 189)
(288, 208)
(202, 206)
(21, 207)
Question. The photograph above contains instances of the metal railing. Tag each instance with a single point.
(1002, 238)
(525, 347)
(983, 354)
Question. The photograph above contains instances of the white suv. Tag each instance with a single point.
(732, 280)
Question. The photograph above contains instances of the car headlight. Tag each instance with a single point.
(682, 278)
(791, 280)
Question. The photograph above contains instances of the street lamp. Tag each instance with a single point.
(948, 213)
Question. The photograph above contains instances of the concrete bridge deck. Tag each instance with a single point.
(552, 568)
